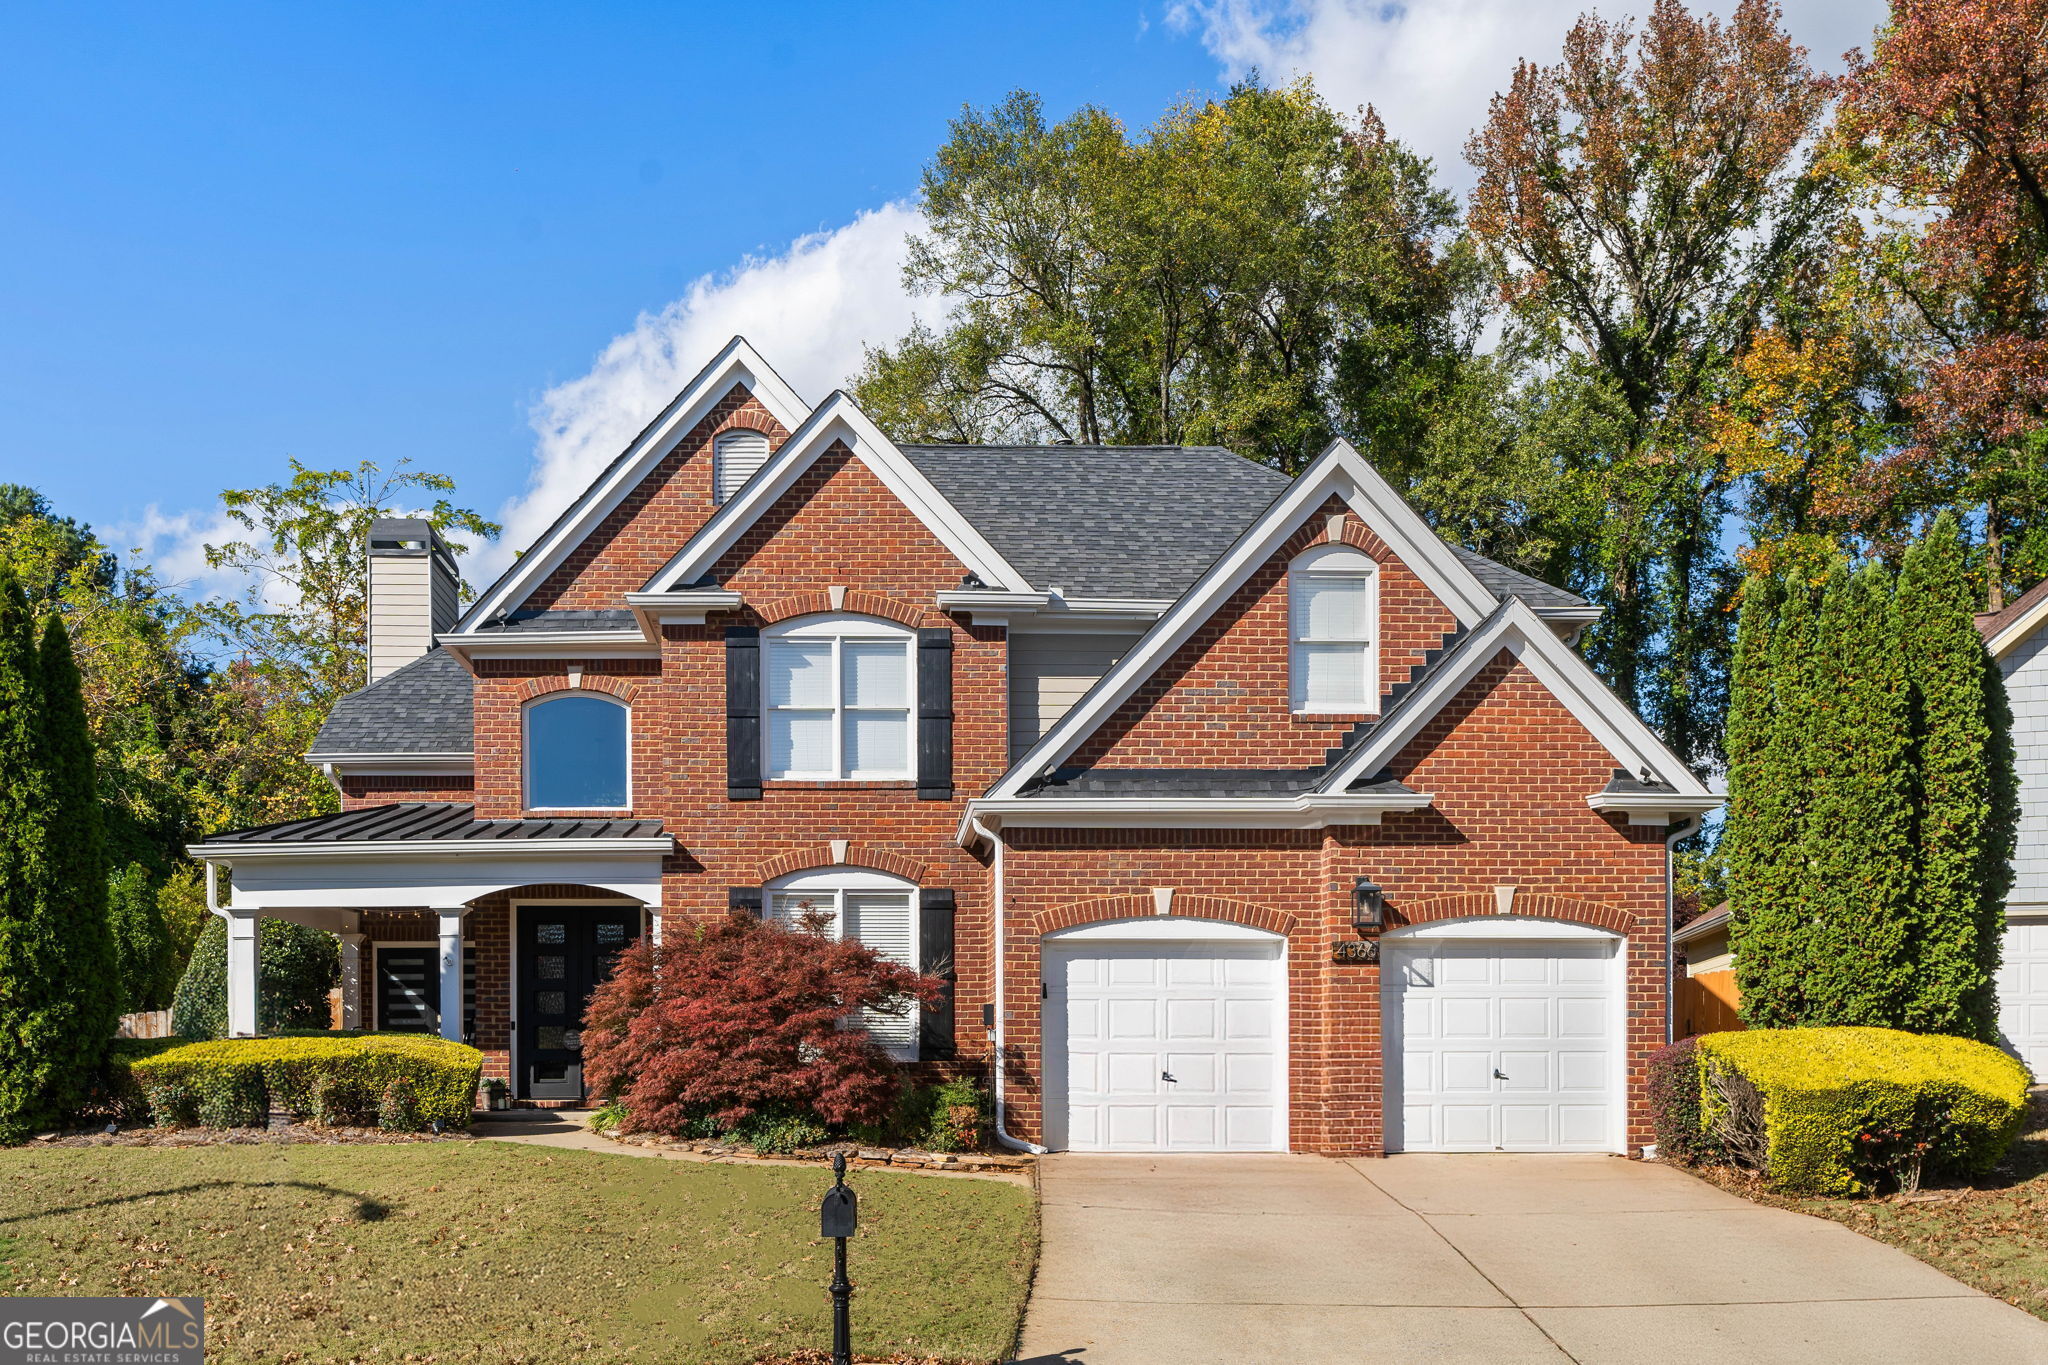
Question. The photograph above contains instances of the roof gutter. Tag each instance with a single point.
(1655, 808)
(1310, 810)
(425, 848)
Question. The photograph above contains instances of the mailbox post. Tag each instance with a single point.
(837, 1217)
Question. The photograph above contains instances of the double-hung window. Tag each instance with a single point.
(838, 699)
(1333, 618)
(875, 909)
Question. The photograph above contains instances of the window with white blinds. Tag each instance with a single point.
(1333, 616)
(735, 455)
(883, 918)
(837, 701)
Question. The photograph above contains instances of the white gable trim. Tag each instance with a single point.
(1339, 471)
(2018, 632)
(1562, 672)
(836, 419)
(737, 363)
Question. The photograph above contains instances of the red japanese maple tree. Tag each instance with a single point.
(740, 1016)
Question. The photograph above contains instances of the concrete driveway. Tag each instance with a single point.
(1302, 1259)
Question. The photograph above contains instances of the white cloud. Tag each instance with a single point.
(807, 310)
(174, 545)
(1431, 66)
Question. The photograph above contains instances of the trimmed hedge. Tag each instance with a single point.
(399, 1081)
(1847, 1110)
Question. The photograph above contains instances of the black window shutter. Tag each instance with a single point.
(744, 900)
(935, 958)
(935, 714)
(743, 713)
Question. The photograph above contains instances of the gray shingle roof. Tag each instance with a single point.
(1502, 581)
(1104, 521)
(433, 822)
(1210, 782)
(423, 708)
(527, 622)
(1132, 521)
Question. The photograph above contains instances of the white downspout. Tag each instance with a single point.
(1690, 826)
(996, 1067)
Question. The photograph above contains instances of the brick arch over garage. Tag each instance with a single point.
(1481, 904)
(1183, 907)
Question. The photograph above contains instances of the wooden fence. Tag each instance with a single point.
(148, 1024)
(1705, 1004)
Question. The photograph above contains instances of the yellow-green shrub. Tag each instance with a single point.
(329, 1076)
(1839, 1105)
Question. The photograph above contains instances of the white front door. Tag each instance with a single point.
(2023, 993)
(1165, 1047)
(1507, 1045)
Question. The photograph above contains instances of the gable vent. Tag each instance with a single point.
(735, 456)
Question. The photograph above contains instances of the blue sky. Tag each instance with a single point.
(490, 238)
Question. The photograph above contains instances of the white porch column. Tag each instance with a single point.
(244, 953)
(352, 979)
(451, 970)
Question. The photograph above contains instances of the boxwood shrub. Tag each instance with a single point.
(397, 1080)
(1851, 1110)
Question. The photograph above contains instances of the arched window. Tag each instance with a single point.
(1333, 627)
(735, 455)
(576, 753)
(836, 694)
(871, 907)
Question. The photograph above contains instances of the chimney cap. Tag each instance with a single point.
(408, 538)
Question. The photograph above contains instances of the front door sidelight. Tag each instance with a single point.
(564, 953)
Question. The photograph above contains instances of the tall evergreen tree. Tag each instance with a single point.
(1768, 875)
(1857, 834)
(1963, 825)
(86, 1000)
(142, 944)
(24, 871)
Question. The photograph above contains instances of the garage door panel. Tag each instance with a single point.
(1583, 1017)
(1503, 1044)
(1523, 1017)
(1208, 1015)
(2023, 993)
(1250, 1127)
(1248, 1019)
(1471, 1072)
(1191, 1018)
(1133, 1125)
(1465, 1017)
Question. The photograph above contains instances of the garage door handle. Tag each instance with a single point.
(1167, 1076)
(1499, 1075)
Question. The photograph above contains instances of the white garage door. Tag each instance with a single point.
(1165, 1047)
(2023, 993)
(1502, 1045)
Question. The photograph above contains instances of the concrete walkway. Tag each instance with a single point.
(1302, 1260)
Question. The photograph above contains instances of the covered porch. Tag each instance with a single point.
(437, 911)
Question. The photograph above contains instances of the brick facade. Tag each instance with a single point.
(1508, 765)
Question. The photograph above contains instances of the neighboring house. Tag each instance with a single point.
(2017, 640)
(1242, 812)
(1705, 999)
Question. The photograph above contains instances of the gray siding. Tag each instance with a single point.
(2026, 683)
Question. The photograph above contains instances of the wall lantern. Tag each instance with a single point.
(1368, 905)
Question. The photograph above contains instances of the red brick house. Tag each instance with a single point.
(1231, 805)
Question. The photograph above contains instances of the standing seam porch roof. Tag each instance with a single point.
(429, 822)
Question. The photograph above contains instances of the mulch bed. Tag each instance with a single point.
(281, 1131)
(825, 1358)
(901, 1158)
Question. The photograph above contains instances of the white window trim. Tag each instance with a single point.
(526, 746)
(835, 882)
(1323, 561)
(840, 628)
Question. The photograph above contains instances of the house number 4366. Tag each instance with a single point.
(1355, 950)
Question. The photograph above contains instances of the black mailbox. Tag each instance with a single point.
(838, 1214)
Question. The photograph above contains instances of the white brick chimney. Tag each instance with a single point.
(414, 593)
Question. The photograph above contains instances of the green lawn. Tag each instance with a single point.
(1992, 1233)
(486, 1251)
